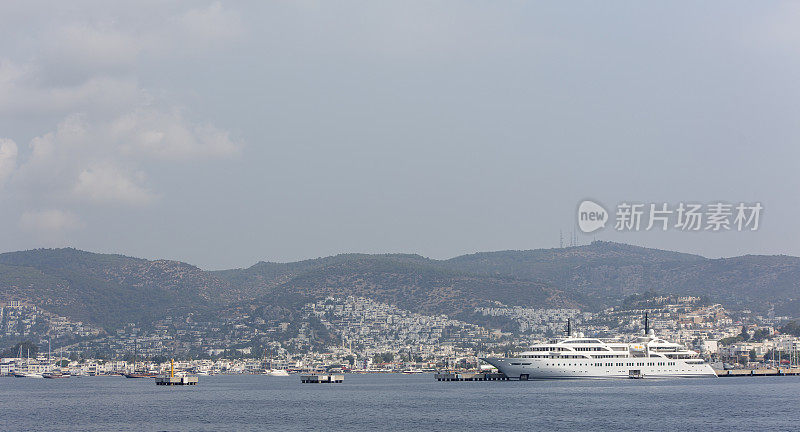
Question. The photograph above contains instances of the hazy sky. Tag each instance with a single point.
(223, 134)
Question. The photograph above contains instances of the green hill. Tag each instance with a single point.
(110, 290)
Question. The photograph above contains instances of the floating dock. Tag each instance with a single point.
(176, 380)
(325, 378)
(757, 372)
(470, 376)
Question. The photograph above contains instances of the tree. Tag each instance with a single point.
(744, 334)
(760, 334)
(28, 348)
(386, 357)
(160, 358)
(792, 328)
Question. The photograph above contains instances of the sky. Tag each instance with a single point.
(222, 134)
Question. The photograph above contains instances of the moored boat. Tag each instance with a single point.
(577, 356)
(139, 375)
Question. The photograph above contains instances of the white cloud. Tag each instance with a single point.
(8, 158)
(168, 135)
(97, 160)
(79, 51)
(107, 183)
(211, 25)
(104, 129)
(49, 221)
(25, 94)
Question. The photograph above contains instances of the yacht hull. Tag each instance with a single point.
(527, 368)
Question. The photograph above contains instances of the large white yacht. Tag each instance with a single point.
(583, 357)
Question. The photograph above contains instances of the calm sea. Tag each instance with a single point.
(399, 402)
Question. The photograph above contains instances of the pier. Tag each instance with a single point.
(470, 376)
(323, 378)
(172, 380)
(757, 372)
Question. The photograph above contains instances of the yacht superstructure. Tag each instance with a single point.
(584, 357)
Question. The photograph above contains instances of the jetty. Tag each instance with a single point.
(178, 380)
(758, 372)
(321, 378)
(470, 376)
(172, 380)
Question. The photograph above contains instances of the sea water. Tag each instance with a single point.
(395, 402)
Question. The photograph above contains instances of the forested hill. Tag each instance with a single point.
(109, 290)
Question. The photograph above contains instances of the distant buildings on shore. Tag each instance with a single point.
(360, 333)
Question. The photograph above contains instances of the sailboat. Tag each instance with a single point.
(53, 373)
(27, 372)
(135, 374)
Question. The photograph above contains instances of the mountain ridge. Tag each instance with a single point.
(111, 289)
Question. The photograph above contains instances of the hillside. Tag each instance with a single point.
(408, 281)
(603, 272)
(109, 290)
(419, 285)
(262, 277)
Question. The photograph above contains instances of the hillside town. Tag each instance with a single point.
(360, 334)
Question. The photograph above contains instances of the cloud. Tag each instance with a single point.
(97, 95)
(168, 135)
(211, 25)
(101, 161)
(78, 51)
(49, 221)
(108, 184)
(101, 131)
(8, 158)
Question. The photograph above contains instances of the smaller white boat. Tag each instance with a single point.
(413, 371)
(28, 375)
(276, 372)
